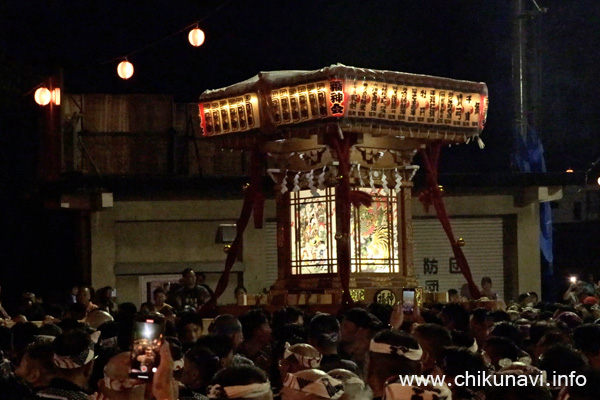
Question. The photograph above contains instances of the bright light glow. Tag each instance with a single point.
(196, 37)
(125, 69)
(42, 96)
(573, 279)
(56, 96)
(569, 171)
(147, 332)
(598, 181)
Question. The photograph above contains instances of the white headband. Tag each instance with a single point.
(384, 348)
(305, 361)
(178, 364)
(78, 360)
(397, 391)
(241, 391)
(324, 386)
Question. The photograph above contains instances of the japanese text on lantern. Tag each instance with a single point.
(294, 104)
(336, 97)
(413, 104)
(234, 114)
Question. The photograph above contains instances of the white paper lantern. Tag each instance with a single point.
(196, 37)
(42, 96)
(125, 69)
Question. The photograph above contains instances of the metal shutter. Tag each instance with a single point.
(270, 270)
(483, 250)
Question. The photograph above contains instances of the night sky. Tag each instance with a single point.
(457, 39)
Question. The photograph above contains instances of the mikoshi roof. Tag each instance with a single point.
(283, 104)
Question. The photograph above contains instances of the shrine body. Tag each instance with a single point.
(339, 144)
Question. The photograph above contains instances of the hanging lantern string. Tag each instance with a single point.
(141, 49)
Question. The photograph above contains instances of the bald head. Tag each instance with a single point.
(116, 384)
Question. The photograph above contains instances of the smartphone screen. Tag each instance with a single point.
(147, 339)
(408, 299)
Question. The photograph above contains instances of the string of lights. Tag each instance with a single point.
(44, 95)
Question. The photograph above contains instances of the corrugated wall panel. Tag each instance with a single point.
(270, 270)
(483, 250)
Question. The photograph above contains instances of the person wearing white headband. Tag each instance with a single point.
(240, 382)
(354, 387)
(432, 338)
(391, 353)
(37, 365)
(298, 357)
(74, 360)
(311, 384)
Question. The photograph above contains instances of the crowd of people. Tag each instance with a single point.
(528, 350)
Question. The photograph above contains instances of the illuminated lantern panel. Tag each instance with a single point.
(125, 69)
(56, 96)
(313, 231)
(42, 96)
(374, 243)
(196, 37)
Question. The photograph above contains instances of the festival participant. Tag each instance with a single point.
(201, 281)
(480, 324)
(238, 293)
(587, 340)
(257, 339)
(242, 382)
(74, 361)
(354, 387)
(455, 317)
(287, 315)
(37, 365)
(298, 357)
(324, 334)
(159, 296)
(391, 353)
(222, 346)
(453, 296)
(104, 300)
(433, 339)
(357, 329)
(229, 326)
(199, 366)
(458, 362)
(190, 294)
(189, 328)
(486, 289)
(311, 384)
(84, 296)
(561, 360)
(98, 317)
(116, 383)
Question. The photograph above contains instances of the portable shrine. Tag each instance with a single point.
(339, 144)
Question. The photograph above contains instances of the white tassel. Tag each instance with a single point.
(296, 183)
(311, 183)
(371, 180)
(284, 183)
(321, 180)
(398, 180)
(480, 143)
(384, 183)
(362, 183)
